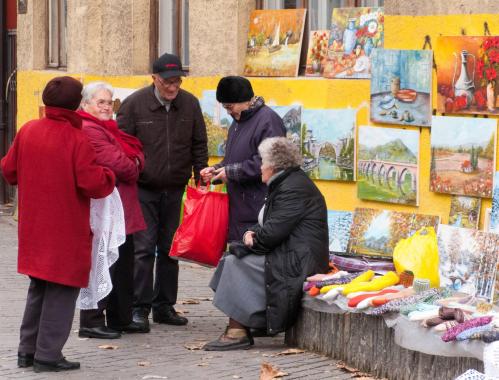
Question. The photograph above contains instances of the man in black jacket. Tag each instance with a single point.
(169, 123)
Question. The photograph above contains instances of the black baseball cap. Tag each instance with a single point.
(167, 66)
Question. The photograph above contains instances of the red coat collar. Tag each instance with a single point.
(57, 113)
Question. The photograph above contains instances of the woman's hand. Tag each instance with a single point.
(220, 175)
(248, 238)
(207, 173)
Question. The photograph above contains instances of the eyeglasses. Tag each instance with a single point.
(101, 103)
(167, 83)
(228, 106)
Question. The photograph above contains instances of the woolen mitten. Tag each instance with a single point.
(239, 250)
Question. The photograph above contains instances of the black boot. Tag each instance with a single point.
(60, 365)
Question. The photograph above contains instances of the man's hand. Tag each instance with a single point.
(207, 173)
(248, 238)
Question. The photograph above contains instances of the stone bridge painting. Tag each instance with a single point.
(291, 118)
(463, 154)
(387, 165)
(328, 143)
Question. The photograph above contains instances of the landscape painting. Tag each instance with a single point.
(463, 155)
(217, 122)
(328, 143)
(317, 52)
(339, 223)
(464, 211)
(355, 33)
(467, 74)
(468, 261)
(376, 232)
(401, 87)
(274, 42)
(493, 221)
(387, 165)
(291, 117)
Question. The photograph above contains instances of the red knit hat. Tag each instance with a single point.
(63, 92)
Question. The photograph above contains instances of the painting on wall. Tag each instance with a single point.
(464, 211)
(493, 220)
(387, 165)
(401, 87)
(328, 143)
(463, 155)
(291, 118)
(355, 32)
(317, 52)
(274, 42)
(339, 223)
(467, 76)
(468, 261)
(217, 122)
(376, 232)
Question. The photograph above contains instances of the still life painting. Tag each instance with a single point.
(355, 33)
(464, 211)
(468, 261)
(317, 52)
(376, 232)
(387, 165)
(274, 42)
(339, 223)
(291, 118)
(463, 155)
(328, 143)
(217, 122)
(401, 87)
(468, 67)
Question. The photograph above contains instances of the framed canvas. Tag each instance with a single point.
(468, 261)
(328, 143)
(376, 232)
(467, 73)
(401, 87)
(339, 223)
(463, 152)
(493, 220)
(317, 52)
(274, 42)
(388, 165)
(291, 117)
(355, 33)
(464, 211)
(217, 122)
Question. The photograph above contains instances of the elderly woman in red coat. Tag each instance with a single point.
(55, 169)
(122, 154)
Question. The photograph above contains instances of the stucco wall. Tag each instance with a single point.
(32, 37)
(440, 7)
(218, 31)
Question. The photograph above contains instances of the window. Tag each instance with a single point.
(57, 56)
(173, 25)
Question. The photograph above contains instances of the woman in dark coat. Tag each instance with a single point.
(240, 168)
(259, 283)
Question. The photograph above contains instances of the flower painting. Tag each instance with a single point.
(401, 87)
(463, 154)
(274, 43)
(467, 73)
(355, 33)
(317, 51)
(217, 122)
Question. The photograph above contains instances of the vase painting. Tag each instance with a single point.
(317, 51)
(274, 42)
(463, 152)
(355, 33)
(467, 69)
(401, 87)
(387, 165)
(217, 122)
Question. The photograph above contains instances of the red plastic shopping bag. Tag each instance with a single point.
(202, 235)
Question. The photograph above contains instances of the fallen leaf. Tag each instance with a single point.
(195, 345)
(108, 347)
(144, 364)
(203, 364)
(291, 351)
(236, 377)
(188, 302)
(268, 372)
(343, 366)
(154, 377)
(182, 312)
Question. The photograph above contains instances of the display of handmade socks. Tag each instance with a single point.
(378, 301)
(342, 279)
(354, 302)
(395, 305)
(467, 334)
(378, 283)
(453, 332)
(447, 314)
(420, 315)
(363, 277)
(489, 336)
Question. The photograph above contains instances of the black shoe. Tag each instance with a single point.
(140, 316)
(101, 332)
(259, 333)
(224, 343)
(60, 365)
(24, 360)
(169, 316)
(132, 327)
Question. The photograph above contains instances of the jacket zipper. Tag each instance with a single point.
(168, 143)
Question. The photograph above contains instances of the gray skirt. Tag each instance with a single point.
(239, 286)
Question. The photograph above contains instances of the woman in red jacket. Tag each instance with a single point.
(55, 170)
(122, 154)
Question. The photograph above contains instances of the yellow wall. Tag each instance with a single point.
(401, 32)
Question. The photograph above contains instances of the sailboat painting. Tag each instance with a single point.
(274, 43)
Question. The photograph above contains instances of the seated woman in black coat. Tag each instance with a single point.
(258, 285)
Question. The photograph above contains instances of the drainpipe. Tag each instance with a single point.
(3, 103)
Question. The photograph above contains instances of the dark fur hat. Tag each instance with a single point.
(234, 89)
(63, 92)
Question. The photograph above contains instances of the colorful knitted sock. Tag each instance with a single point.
(432, 322)
(356, 300)
(452, 333)
(329, 276)
(429, 296)
(389, 279)
(420, 315)
(447, 325)
(490, 336)
(467, 334)
(364, 276)
(378, 301)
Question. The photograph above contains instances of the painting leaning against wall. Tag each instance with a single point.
(291, 118)
(463, 154)
(217, 122)
(328, 143)
(387, 165)
(464, 211)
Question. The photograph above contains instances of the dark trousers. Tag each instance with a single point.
(47, 320)
(162, 214)
(118, 304)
